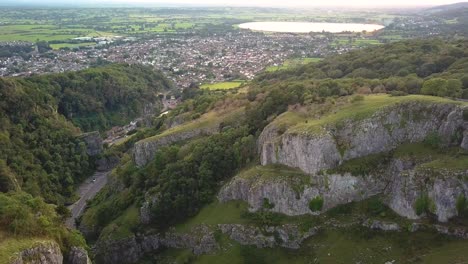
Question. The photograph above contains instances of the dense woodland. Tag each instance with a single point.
(42, 158)
(99, 98)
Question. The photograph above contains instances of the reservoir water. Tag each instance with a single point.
(306, 27)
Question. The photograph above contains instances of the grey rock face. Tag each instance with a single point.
(441, 188)
(107, 163)
(93, 142)
(44, 252)
(129, 250)
(145, 209)
(200, 240)
(144, 150)
(383, 131)
(287, 236)
(379, 225)
(149, 110)
(464, 144)
(78, 255)
(456, 232)
(310, 154)
(126, 250)
(334, 189)
(400, 185)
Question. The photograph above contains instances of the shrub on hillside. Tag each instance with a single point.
(316, 204)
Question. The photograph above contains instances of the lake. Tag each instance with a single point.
(305, 27)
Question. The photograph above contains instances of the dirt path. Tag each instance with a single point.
(86, 191)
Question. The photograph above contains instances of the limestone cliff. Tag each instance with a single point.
(78, 255)
(287, 236)
(442, 187)
(49, 252)
(347, 139)
(316, 147)
(288, 196)
(93, 142)
(199, 240)
(401, 186)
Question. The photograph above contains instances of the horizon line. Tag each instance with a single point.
(200, 5)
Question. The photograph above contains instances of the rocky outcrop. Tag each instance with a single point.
(145, 209)
(285, 198)
(78, 255)
(459, 232)
(400, 183)
(380, 225)
(150, 110)
(441, 187)
(42, 252)
(288, 236)
(199, 240)
(330, 145)
(93, 142)
(107, 163)
(383, 131)
(144, 150)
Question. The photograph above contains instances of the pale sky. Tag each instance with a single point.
(269, 3)
(310, 2)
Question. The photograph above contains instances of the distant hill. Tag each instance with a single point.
(455, 17)
(444, 8)
(415, 58)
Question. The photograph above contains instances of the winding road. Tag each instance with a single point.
(86, 191)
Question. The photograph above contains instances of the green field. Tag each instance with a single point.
(71, 45)
(63, 24)
(46, 32)
(290, 63)
(222, 85)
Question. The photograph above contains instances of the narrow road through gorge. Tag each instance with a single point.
(86, 191)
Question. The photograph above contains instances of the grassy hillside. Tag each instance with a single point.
(350, 108)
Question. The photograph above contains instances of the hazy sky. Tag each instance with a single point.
(271, 3)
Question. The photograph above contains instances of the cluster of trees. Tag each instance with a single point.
(187, 178)
(7, 51)
(102, 97)
(39, 151)
(447, 88)
(184, 178)
(401, 66)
